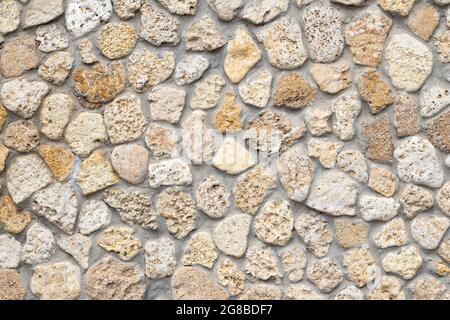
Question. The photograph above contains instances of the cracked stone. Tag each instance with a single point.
(315, 233)
(120, 240)
(200, 250)
(95, 173)
(213, 197)
(404, 262)
(231, 233)
(391, 234)
(94, 215)
(160, 260)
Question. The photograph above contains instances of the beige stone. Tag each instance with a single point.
(391, 234)
(389, 288)
(424, 21)
(120, 240)
(360, 266)
(404, 262)
(130, 162)
(11, 285)
(350, 233)
(162, 141)
(228, 118)
(256, 89)
(55, 114)
(442, 44)
(396, 6)
(428, 230)
(325, 274)
(275, 222)
(294, 261)
(292, 91)
(353, 163)
(184, 8)
(325, 151)
(332, 79)
(263, 11)
(207, 92)
(157, 27)
(231, 233)
(229, 276)
(41, 11)
(58, 281)
(406, 117)
(160, 259)
(262, 292)
(200, 250)
(427, 288)
(415, 199)
(21, 135)
(203, 35)
(126, 9)
(377, 133)
(18, 55)
(315, 233)
(86, 49)
(438, 131)
(232, 157)
(443, 198)
(383, 181)
(57, 67)
(317, 120)
(303, 292)
(9, 16)
(261, 263)
(78, 246)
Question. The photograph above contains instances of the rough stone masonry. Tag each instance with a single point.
(210, 149)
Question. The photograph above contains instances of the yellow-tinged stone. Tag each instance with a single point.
(11, 218)
(3, 116)
(228, 118)
(4, 151)
(374, 91)
(243, 53)
(58, 159)
(424, 21)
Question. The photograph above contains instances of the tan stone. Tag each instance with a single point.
(55, 114)
(262, 292)
(380, 147)
(11, 285)
(232, 157)
(325, 274)
(383, 181)
(389, 288)
(58, 159)
(427, 288)
(317, 120)
(392, 234)
(18, 55)
(293, 91)
(117, 40)
(57, 67)
(162, 141)
(402, 7)
(86, 49)
(11, 218)
(203, 35)
(58, 281)
(443, 198)
(229, 276)
(200, 250)
(375, 91)
(228, 118)
(303, 292)
(9, 16)
(230, 234)
(351, 233)
(415, 199)
(121, 241)
(423, 21)
(360, 265)
(22, 136)
(442, 43)
(332, 79)
(438, 131)
(207, 92)
(158, 27)
(444, 250)
(406, 117)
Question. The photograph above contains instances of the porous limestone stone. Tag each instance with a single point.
(275, 222)
(442, 44)
(11, 285)
(317, 120)
(206, 93)
(166, 103)
(315, 233)
(117, 40)
(427, 288)
(58, 204)
(404, 262)
(55, 114)
(3, 116)
(203, 35)
(325, 274)
(126, 9)
(443, 198)
(366, 34)
(83, 16)
(294, 92)
(350, 292)
(189, 283)
(383, 181)
(110, 280)
(232, 157)
(130, 162)
(346, 109)
(415, 199)
(168, 173)
(40, 12)
(424, 21)
(391, 234)
(428, 230)
(242, 55)
(263, 11)
(377, 208)
(157, 27)
(325, 151)
(52, 37)
(229, 276)
(160, 259)
(133, 207)
(417, 162)
(256, 89)
(120, 240)
(22, 136)
(396, 6)
(406, 117)
(26, 175)
(212, 197)
(85, 133)
(375, 91)
(434, 97)
(294, 261)
(4, 151)
(377, 133)
(57, 281)
(9, 16)
(12, 219)
(99, 84)
(438, 131)
(262, 292)
(360, 266)
(333, 193)
(283, 42)
(162, 141)
(200, 250)
(18, 55)
(324, 32)
(147, 68)
(346, 3)
(332, 79)
(190, 69)
(408, 62)
(350, 232)
(23, 96)
(303, 292)
(261, 263)
(444, 250)
(10, 252)
(87, 53)
(94, 215)
(225, 9)
(183, 8)
(230, 234)
(78, 246)
(57, 67)
(124, 119)
(179, 211)
(389, 288)
(95, 173)
(251, 189)
(39, 246)
(354, 164)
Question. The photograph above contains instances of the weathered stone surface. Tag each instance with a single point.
(110, 280)
(360, 266)
(184, 8)
(262, 292)
(443, 198)
(377, 133)
(52, 37)
(404, 262)
(162, 141)
(346, 109)
(231, 233)
(10, 252)
(256, 89)
(324, 32)
(325, 274)
(85, 133)
(206, 93)
(427, 288)
(303, 292)
(57, 67)
(232, 157)
(377, 208)
(178, 209)
(160, 260)
(213, 197)
(9, 16)
(438, 131)
(294, 261)
(275, 222)
(86, 49)
(442, 44)
(157, 27)
(283, 42)
(117, 40)
(225, 9)
(350, 233)
(261, 263)
(423, 21)
(433, 98)
(418, 163)
(350, 293)
(39, 246)
(383, 181)
(58, 204)
(22, 136)
(331, 79)
(57, 281)
(94, 215)
(391, 234)
(444, 250)
(203, 35)
(200, 250)
(229, 276)
(95, 174)
(166, 103)
(120, 240)
(333, 193)
(23, 96)
(415, 199)
(315, 233)
(428, 230)
(293, 91)
(353, 163)
(26, 175)
(11, 218)
(55, 114)
(407, 118)
(83, 16)
(18, 55)
(242, 55)
(126, 9)
(147, 68)
(325, 151)
(78, 246)
(130, 162)
(317, 120)
(4, 151)
(11, 285)
(395, 6)
(263, 11)
(408, 62)
(3, 116)
(189, 283)
(375, 91)
(366, 35)
(389, 288)
(190, 69)
(168, 173)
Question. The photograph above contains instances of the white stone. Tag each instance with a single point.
(231, 234)
(168, 173)
(190, 69)
(232, 157)
(378, 208)
(428, 230)
(263, 11)
(10, 252)
(433, 98)
(256, 89)
(160, 259)
(39, 246)
(94, 215)
(83, 16)
(78, 246)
